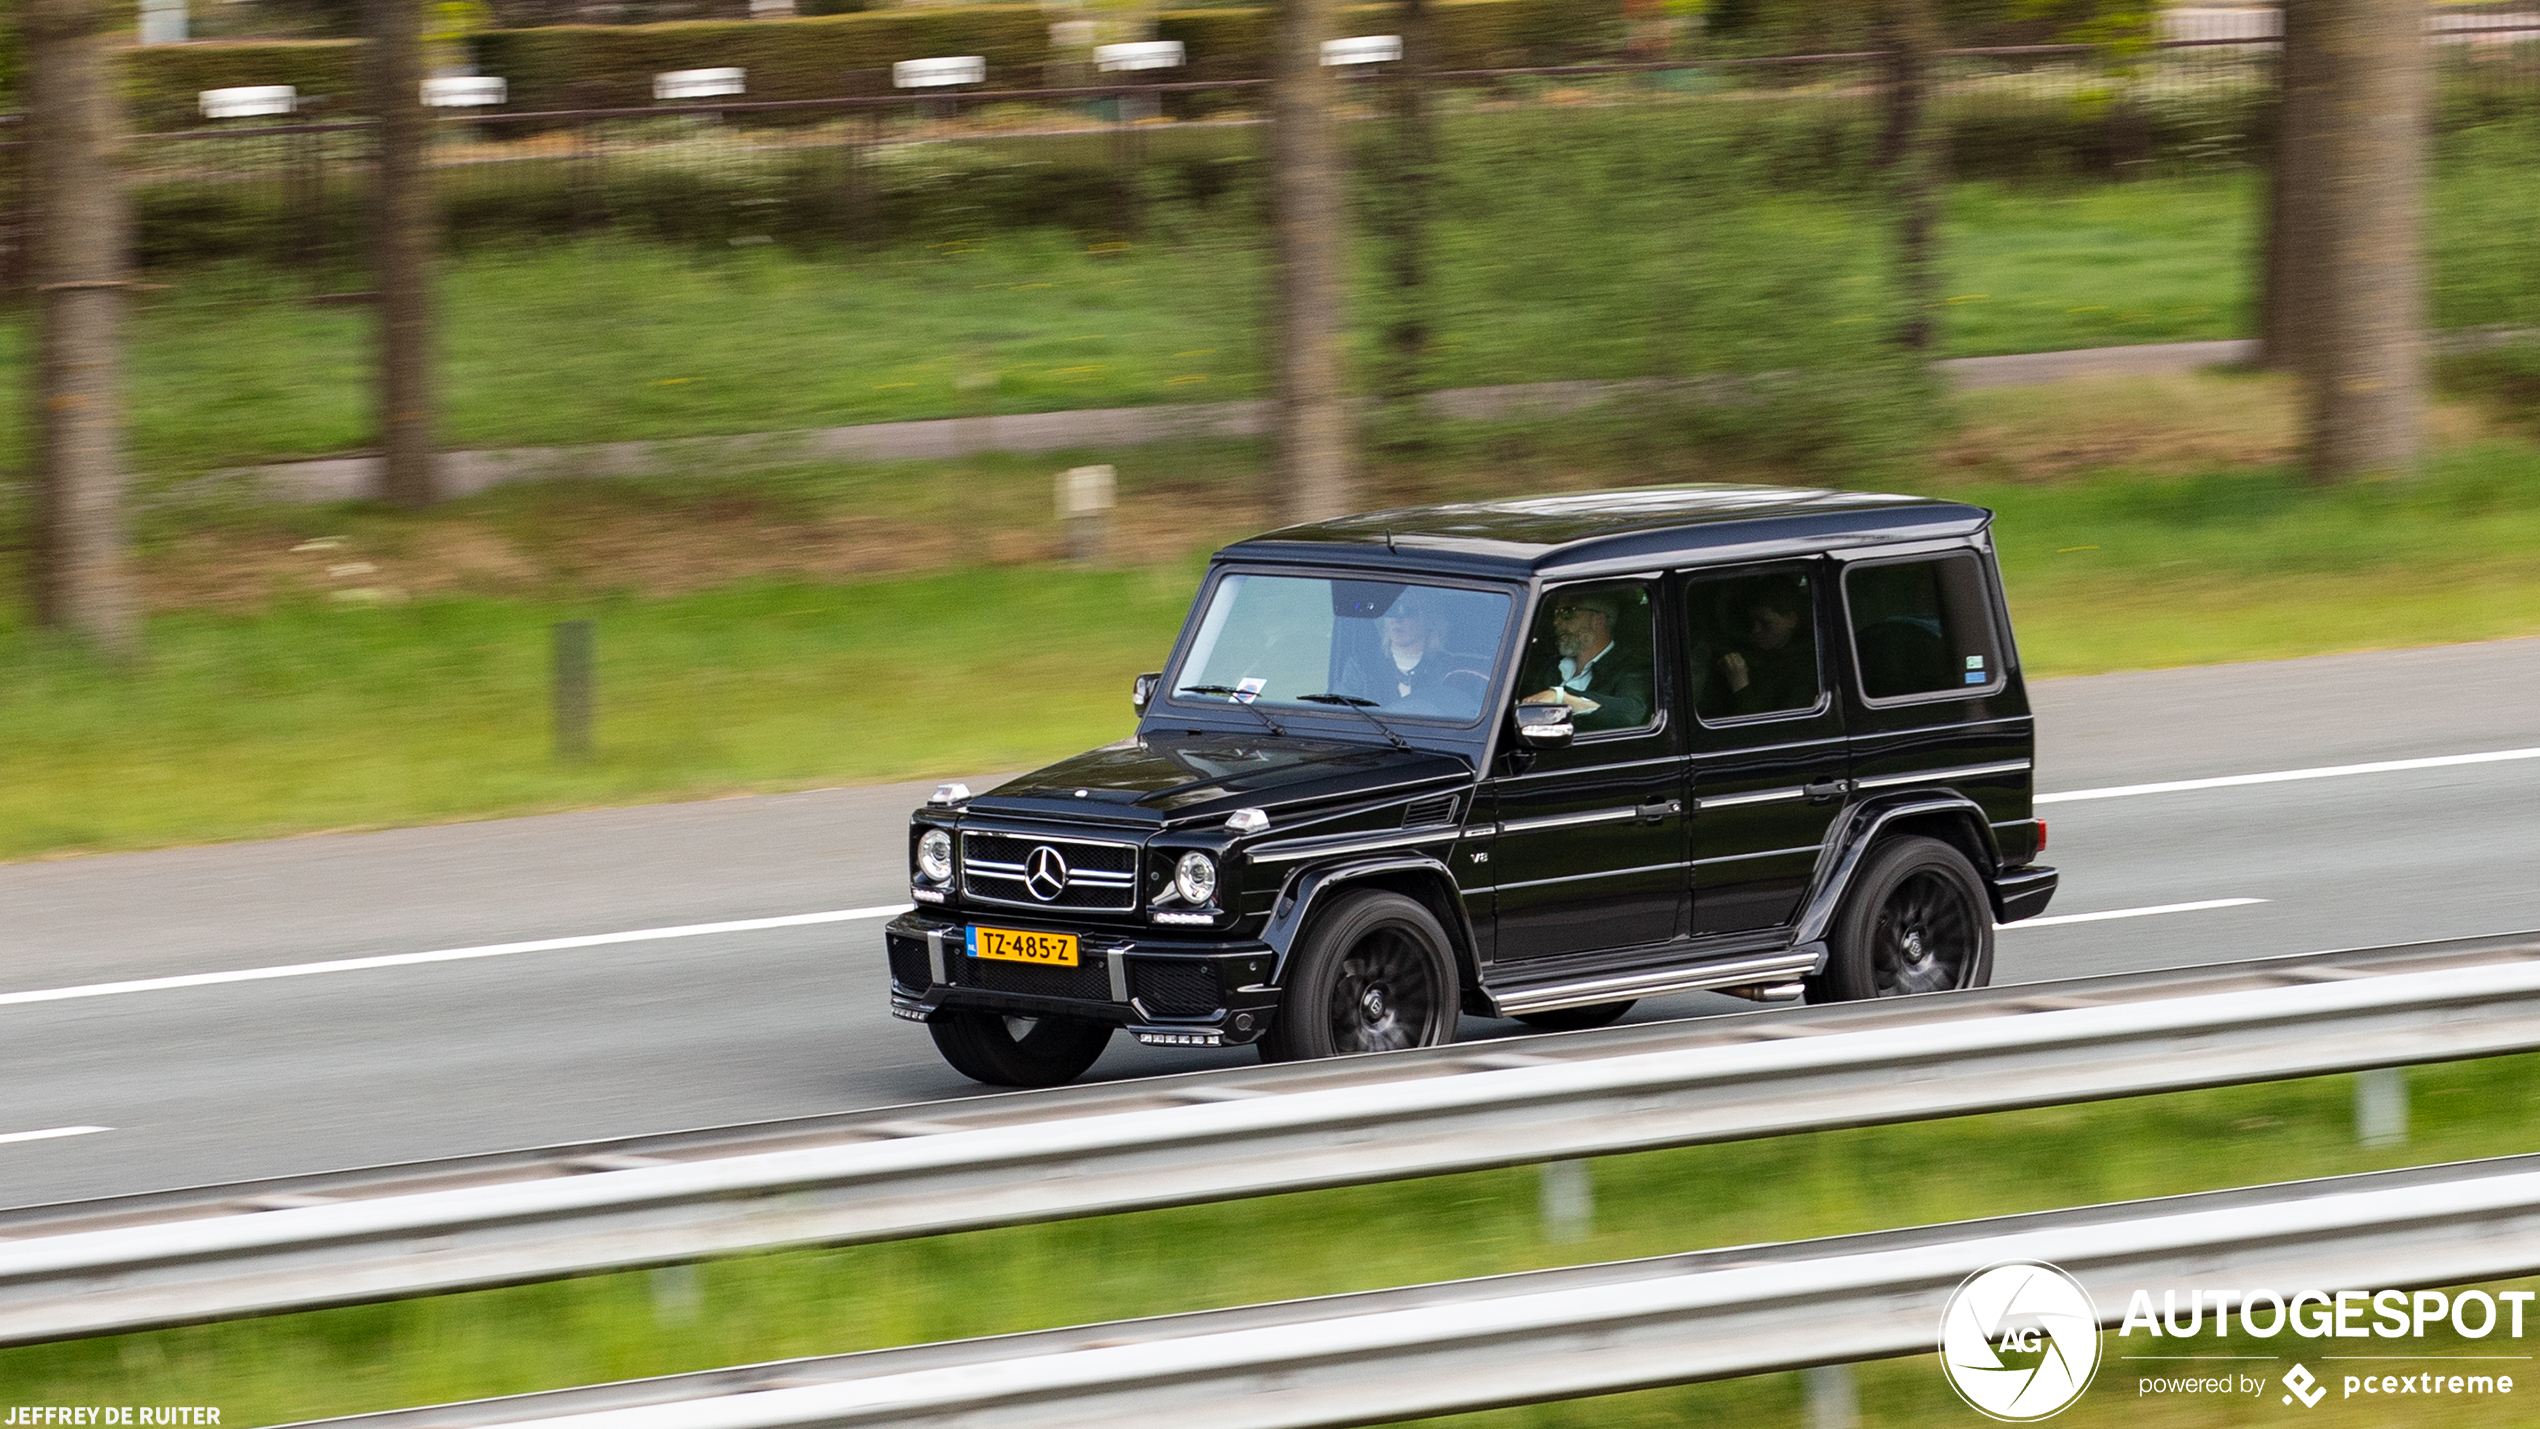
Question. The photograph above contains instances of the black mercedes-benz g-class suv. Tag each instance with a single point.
(1530, 759)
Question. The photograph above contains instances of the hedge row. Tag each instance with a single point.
(824, 56)
(162, 83)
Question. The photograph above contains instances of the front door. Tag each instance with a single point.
(1769, 762)
(1590, 850)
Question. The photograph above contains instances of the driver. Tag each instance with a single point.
(1604, 688)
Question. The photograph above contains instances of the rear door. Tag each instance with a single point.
(1934, 695)
(1769, 758)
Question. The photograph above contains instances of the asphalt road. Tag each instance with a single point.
(230, 1079)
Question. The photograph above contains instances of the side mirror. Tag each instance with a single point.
(1142, 690)
(1545, 726)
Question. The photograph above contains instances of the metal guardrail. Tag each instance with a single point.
(108, 1266)
(1595, 1329)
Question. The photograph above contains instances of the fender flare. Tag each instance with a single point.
(1849, 846)
(1306, 890)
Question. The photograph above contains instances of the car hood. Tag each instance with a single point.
(1158, 779)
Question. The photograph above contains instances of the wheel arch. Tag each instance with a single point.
(1954, 819)
(1423, 879)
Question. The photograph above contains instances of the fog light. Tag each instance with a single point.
(934, 855)
(1195, 878)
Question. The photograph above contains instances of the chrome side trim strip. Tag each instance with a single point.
(1570, 821)
(1934, 776)
(1768, 853)
(1760, 796)
(1584, 877)
(1650, 984)
(1597, 768)
(1282, 853)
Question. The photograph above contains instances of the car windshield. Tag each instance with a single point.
(1387, 648)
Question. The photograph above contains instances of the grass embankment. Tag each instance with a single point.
(610, 340)
(826, 1302)
(841, 624)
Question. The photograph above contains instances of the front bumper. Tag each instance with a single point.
(1166, 991)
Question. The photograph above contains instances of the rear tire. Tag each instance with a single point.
(1007, 1051)
(1578, 1019)
(1917, 920)
(1375, 975)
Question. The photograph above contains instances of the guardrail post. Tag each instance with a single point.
(1569, 1202)
(678, 1294)
(573, 689)
(2381, 1106)
(1834, 1401)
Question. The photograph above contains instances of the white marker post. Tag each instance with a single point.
(940, 73)
(253, 101)
(1085, 496)
(465, 91)
(689, 85)
(1363, 50)
(1139, 55)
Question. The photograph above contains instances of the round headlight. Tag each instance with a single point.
(934, 855)
(1195, 878)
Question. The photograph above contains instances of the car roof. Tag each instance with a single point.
(1581, 532)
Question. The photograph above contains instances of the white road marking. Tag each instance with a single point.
(449, 955)
(2287, 776)
(51, 1132)
(2127, 913)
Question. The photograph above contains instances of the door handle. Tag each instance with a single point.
(1828, 791)
(1657, 813)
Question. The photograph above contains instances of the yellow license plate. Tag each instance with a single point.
(1055, 950)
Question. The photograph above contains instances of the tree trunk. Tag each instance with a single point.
(2288, 302)
(402, 232)
(2364, 377)
(1310, 206)
(1911, 150)
(1407, 209)
(79, 249)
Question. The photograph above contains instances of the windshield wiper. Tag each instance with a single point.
(1230, 692)
(1364, 709)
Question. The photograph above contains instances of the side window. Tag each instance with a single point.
(1752, 645)
(1922, 627)
(1592, 650)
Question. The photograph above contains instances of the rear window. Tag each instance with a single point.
(1923, 627)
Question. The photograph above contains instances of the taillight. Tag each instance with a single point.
(2041, 836)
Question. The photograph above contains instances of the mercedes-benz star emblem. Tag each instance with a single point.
(1045, 873)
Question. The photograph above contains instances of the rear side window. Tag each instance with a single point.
(1754, 644)
(1923, 627)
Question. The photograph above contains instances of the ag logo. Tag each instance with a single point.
(2019, 1341)
(2305, 1385)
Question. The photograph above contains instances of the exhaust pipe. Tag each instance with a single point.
(1768, 991)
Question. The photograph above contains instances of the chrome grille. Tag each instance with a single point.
(999, 868)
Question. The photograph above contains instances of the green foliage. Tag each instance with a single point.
(162, 82)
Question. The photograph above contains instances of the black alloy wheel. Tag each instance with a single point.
(1375, 975)
(1917, 920)
(1578, 1019)
(1005, 1051)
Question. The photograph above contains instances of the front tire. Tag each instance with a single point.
(1375, 975)
(1007, 1051)
(1918, 920)
(1578, 1019)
